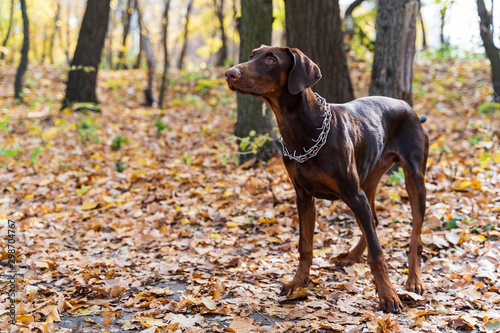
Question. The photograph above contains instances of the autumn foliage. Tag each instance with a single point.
(138, 219)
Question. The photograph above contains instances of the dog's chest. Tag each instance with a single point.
(317, 183)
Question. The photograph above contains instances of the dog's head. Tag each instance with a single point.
(273, 71)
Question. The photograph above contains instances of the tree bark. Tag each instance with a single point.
(23, 65)
(255, 27)
(164, 77)
(54, 31)
(82, 77)
(219, 12)
(180, 63)
(492, 52)
(127, 13)
(314, 27)
(424, 40)
(150, 59)
(392, 69)
(7, 36)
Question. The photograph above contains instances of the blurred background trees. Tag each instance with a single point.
(193, 35)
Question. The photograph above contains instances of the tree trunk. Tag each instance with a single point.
(141, 43)
(109, 53)
(314, 27)
(7, 36)
(255, 27)
(68, 41)
(54, 31)
(164, 77)
(492, 52)
(180, 63)
(82, 77)
(392, 69)
(424, 40)
(219, 11)
(122, 61)
(150, 59)
(23, 65)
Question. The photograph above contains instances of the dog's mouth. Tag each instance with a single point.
(241, 91)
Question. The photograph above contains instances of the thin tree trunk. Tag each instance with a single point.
(182, 55)
(110, 40)
(68, 41)
(492, 52)
(255, 27)
(151, 62)
(82, 77)
(122, 61)
(424, 40)
(44, 47)
(164, 77)
(139, 55)
(315, 28)
(53, 35)
(23, 65)
(219, 12)
(392, 69)
(7, 36)
(349, 20)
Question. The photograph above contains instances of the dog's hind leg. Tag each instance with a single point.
(369, 186)
(414, 161)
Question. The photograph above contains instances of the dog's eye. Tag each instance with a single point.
(250, 57)
(270, 60)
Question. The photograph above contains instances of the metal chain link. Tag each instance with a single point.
(320, 141)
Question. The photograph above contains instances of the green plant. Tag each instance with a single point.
(250, 144)
(453, 223)
(186, 158)
(118, 141)
(4, 124)
(34, 155)
(160, 126)
(489, 107)
(397, 177)
(120, 166)
(9, 153)
(86, 130)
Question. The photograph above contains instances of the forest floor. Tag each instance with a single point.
(122, 222)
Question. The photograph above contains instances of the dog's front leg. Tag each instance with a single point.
(306, 206)
(388, 298)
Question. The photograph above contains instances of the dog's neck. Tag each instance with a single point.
(299, 118)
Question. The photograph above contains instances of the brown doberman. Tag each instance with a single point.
(340, 151)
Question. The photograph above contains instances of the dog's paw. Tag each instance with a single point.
(389, 302)
(415, 286)
(289, 288)
(346, 259)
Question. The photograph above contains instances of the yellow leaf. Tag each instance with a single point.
(267, 220)
(185, 221)
(467, 183)
(231, 225)
(25, 318)
(29, 196)
(496, 158)
(395, 196)
(67, 111)
(478, 238)
(89, 205)
(215, 236)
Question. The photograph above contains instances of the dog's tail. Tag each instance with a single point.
(423, 119)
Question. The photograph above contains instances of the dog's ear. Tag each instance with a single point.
(304, 74)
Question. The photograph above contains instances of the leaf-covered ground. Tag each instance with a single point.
(123, 222)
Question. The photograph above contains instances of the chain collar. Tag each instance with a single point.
(319, 142)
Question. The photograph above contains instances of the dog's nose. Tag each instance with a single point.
(232, 74)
